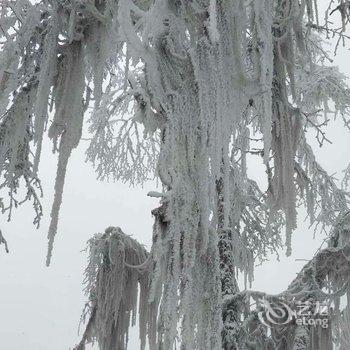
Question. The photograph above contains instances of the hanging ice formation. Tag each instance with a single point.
(186, 91)
(112, 282)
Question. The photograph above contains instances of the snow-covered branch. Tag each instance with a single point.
(113, 286)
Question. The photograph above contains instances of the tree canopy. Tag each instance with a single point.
(185, 91)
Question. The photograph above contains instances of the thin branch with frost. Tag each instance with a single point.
(329, 270)
(4, 242)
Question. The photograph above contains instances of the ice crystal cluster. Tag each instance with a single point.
(187, 91)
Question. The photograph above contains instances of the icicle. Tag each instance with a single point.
(67, 124)
(63, 158)
(98, 51)
(263, 47)
(47, 72)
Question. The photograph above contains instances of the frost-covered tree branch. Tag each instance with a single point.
(188, 92)
(324, 279)
(115, 278)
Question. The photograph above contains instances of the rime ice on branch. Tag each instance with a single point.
(187, 91)
(116, 276)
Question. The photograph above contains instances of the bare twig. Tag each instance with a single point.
(320, 134)
(3, 241)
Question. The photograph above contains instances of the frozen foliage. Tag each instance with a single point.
(186, 91)
(324, 279)
(119, 148)
(15, 163)
(115, 278)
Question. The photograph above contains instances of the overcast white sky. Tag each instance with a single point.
(40, 307)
